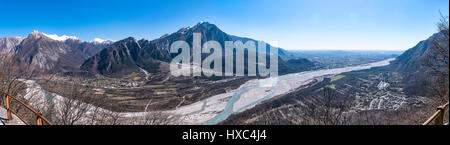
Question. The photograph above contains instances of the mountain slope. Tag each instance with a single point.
(42, 51)
(210, 31)
(54, 54)
(411, 64)
(124, 57)
(8, 44)
(411, 60)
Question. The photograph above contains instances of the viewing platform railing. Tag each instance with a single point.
(438, 116)
(7, 101)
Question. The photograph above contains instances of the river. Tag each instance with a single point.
(219, 107)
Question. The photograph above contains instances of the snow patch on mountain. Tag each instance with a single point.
(59, 38)
(99, 40)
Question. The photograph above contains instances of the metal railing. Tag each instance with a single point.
(40, 120)
(438, 116)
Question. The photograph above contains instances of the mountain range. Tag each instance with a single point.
(55, 54)
(50, 55)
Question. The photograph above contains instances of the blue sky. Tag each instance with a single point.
(293, 24)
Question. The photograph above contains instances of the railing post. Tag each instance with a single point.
(8, 108)
(39, 120)
(440, 118)
(2, 100)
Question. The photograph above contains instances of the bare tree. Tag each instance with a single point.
(438, 61)
(76, 106)
(153, 118)
(68, 110)
(12, 73)
(328, 109)
(13, 76)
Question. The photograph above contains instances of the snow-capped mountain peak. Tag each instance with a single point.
(99, 40)
(35, 32)
(59, 38)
